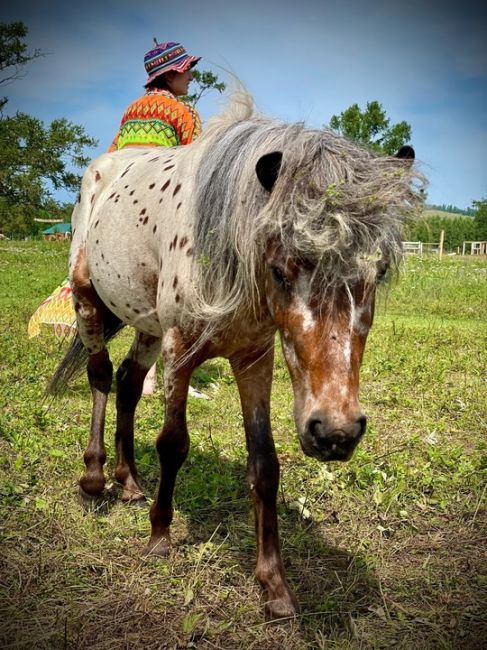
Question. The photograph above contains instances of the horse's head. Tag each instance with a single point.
(323, 341)
(323, 328)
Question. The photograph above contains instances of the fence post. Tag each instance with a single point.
(442, 239)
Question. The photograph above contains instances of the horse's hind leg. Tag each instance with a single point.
(130, 378)
(173, 440)
(100, 370)
(89, 313)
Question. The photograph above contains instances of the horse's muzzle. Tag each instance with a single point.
(327, 441)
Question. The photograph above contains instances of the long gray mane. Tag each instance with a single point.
(334, 205)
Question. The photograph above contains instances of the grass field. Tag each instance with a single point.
(385, 551)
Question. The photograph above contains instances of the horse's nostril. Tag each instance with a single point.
(362, 425)
(316, 429)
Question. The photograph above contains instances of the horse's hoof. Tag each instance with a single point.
(281, 610)
(158, 548)
(134, 499)
(96, 503)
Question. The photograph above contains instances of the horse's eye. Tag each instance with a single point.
(382, 268)
(279, 277)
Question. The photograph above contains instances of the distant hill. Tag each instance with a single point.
(430, 211)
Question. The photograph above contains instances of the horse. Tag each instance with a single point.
(208, 250)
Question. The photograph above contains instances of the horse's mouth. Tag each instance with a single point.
(332, 452)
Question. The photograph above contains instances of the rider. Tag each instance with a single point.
(159, 118)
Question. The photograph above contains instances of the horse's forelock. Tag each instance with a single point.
(334, 203)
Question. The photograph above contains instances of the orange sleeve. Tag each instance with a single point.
(188, 124)
(113, 146)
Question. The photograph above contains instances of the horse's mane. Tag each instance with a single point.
(335, 204)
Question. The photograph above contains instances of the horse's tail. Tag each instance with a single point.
(76, 357)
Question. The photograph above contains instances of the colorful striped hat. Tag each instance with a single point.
(167, 56)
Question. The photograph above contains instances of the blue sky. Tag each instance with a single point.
(302, 60)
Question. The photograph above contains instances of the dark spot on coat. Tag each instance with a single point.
(127, 305)
(151, 186)
(131, 193)
(97, 241)
(96, 224)
(97, 176)
(146, 220)
(176, 189)
(166, 185)
(154, 159)
(189, 252)
(154, 229)
(111, 196)
(112, 303)
(177, 298)
(135, 201)
(175, 282)
(150, 280)
(183, 242)
(178, 206)
(143, 211)
(92, 198)
(136, 311)
(168, 167)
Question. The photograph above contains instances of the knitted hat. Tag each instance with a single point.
(167, 56)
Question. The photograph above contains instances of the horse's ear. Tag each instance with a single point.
(267, 169)
(406, 153)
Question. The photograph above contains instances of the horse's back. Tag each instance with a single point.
(130, 225)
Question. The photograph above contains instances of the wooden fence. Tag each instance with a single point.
(476, 247)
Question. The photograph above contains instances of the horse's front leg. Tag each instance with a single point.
(130, 378)
(173, 440)
(254, 378)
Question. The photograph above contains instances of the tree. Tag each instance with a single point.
(429, 227)
(13, 50)
(205, 81)
(371, 128)
(480, 219)
(34, 158)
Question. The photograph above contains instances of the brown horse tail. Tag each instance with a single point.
(76, 357)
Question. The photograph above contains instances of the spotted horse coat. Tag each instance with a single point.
(210, 249)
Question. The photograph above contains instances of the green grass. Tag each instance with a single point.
(384, 551)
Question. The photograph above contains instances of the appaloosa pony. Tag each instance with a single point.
(207, 250)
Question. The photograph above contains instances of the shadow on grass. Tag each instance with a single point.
(212, 496)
